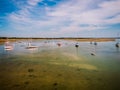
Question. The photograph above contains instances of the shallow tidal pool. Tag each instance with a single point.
(65, 67)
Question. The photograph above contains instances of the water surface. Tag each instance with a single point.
(65, 67)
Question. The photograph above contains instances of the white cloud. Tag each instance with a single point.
(79, 14)
(67, 17)
(34, 2)
(114, 20)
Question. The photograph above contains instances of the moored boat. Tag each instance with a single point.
(117, 44)
(31, 46)
(8, 46)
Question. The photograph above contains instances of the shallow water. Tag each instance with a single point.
(65, 67)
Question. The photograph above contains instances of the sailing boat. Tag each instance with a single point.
(93, 52)
(8, 46)
(76, 45)
(31, 47)
(95, 43)
(118, 42)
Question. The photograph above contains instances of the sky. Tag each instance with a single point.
(59, 18)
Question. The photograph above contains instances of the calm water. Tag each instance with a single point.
(65, 67)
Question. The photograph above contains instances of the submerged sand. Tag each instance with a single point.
(56, 73)
(58, 69)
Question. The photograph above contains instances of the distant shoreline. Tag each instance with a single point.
(3, 39)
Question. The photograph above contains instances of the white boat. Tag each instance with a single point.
(31, 47)
(8, 46)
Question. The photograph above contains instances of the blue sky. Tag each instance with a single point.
(59, 18)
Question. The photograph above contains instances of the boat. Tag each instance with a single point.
(8, 46)
(31, 46)
(95, 43)
(59, 44)
(76, 45)
(117, 44)
(93, 54)
(118, 41)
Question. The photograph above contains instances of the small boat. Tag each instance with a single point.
(8, 46)
(117, 44)
(76, 45)
(93, 54)
(95, 43)
(118, 40)
(59, 44)
(31, 46)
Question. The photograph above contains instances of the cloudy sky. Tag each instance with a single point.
(60, 18)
